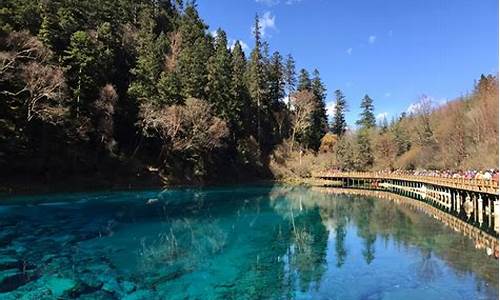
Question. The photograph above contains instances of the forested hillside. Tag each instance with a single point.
(142, 88)
(458, 135)
(132, 90)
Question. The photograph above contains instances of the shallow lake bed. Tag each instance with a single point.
(259, 242)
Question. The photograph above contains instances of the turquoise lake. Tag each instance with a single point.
(259, 242)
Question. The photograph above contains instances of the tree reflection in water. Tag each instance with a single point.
(373, 218)
(308, 239)
(427, 269)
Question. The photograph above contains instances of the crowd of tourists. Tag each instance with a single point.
(488, 174)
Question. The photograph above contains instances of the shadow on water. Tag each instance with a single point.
(260, 242)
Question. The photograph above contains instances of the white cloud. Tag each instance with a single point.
(388, 94)
(372, 39)
(330, 109)
(423, 104)
(268, 2)
(349, 51)
(442, 101)
(267, 21)
(390, 33)
(231, 42)
(413, 108)
(244, 45)
(382, 116)
(276, 2)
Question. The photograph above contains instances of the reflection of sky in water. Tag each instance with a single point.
(244, 243)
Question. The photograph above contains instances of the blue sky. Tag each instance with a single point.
(393, 50)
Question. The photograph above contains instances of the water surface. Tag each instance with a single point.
(259, 242)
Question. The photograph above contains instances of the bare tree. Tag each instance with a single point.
(424, 109)
(104, 110)
(41, 86)
(189, 128)
(45, 86)
(175, 50)
(21, 47)
(385, 151)
(303, 105)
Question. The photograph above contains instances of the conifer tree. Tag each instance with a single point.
(169, 88)
(106, 39)
(196, 50)
(82, 61)
(276, 79)
(256, 79)
(239, 90)
(290, 75)
(339, 123)
(367, 119)
(304, 81)
(364, 153)
(48, 27)
(149, 61)
(320, 120)
(220, 78)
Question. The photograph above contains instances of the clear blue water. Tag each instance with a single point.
(259, 242)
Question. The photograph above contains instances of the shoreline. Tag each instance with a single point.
(80, 185)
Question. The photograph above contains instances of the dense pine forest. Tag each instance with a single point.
(131, 90)
(92, 87)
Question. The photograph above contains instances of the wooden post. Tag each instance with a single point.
(480, 210)
(488, 212)
(496, 212)
(474, 203)
(468, 206)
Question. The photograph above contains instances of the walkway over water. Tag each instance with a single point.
(473, 185)
(472, 201)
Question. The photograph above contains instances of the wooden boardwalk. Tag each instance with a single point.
(474, 202)
(473, 185)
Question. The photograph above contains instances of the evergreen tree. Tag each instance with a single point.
(290, 75)
(256, 80)
(400, 137)
(169, 88)
(319, 119)
(364, 153)
(276, 79)
(149, 61)
(220, 79)
(106, 41)
(67, 23)
(21, 15)
(82, 61)
(339, 123)
(279, 113)
(367, 119)
(304, 81)
(239, 90)
(317, 86)
(48, 32)
(195, 52)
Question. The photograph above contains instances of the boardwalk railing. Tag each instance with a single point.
(473, 201)
(473, 185)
